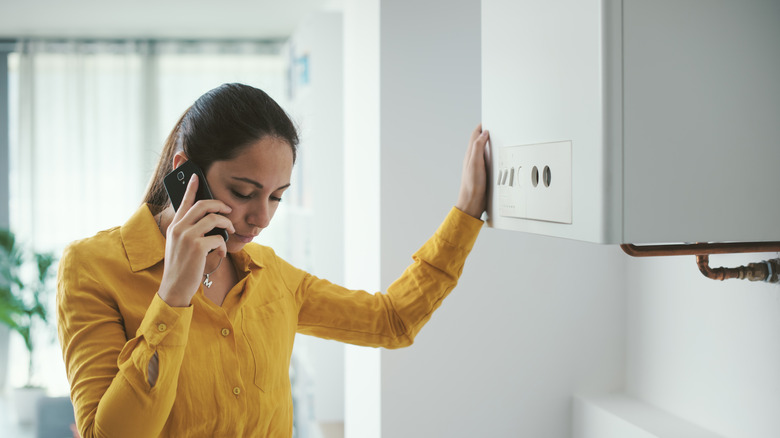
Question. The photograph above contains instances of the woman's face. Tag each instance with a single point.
(252, 184)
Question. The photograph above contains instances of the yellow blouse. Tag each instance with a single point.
(223, 371)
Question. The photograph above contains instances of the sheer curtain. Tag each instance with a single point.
(92, 117)
(77, 149)
(88, 120)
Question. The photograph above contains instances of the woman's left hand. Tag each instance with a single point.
(472, 198)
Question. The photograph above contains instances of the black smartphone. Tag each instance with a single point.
(176, 184)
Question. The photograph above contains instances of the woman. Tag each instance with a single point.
(168, 331)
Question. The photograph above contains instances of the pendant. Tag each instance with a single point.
(207, 282)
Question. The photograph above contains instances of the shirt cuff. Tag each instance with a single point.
(165, 325)
(460, 229)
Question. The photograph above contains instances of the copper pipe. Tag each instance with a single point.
(699, 249)
(767, 270)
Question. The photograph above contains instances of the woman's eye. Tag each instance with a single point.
(276, 198)
(241, 196)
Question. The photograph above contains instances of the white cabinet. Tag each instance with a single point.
(671, 110)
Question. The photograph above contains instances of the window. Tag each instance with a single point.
(87, 124)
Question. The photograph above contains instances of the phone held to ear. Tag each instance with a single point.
(176, 184)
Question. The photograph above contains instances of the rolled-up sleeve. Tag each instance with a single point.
(391, 319)
(107, 368)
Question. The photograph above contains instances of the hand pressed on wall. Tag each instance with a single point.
(472, 198)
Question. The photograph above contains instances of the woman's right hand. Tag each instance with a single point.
(187, 246)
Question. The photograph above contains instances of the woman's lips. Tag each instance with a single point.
(244, 239)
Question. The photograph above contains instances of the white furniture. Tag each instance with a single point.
(672, 110)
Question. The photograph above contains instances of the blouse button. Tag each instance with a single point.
(225, 332)
(236, 390)
(162, 327)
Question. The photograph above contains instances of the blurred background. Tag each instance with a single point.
(94, 88)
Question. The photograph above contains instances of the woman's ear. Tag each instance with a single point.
(179, 158)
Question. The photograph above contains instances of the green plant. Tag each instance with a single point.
(23, 298)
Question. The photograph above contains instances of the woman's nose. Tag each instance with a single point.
(260, 215)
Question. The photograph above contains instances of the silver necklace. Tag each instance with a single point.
(206, 281)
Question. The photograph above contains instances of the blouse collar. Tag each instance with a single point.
(145, 245)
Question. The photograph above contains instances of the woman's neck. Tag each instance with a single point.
(164, 219)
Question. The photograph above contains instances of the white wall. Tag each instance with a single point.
(362, 416)
(707, 351)
(317, 107)
(534, 319)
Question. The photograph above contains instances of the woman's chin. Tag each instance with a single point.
(235, 247)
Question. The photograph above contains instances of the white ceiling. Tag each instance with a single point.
(254, 19)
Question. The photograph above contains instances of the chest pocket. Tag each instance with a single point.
(269, 332)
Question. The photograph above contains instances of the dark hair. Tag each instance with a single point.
(216, 127)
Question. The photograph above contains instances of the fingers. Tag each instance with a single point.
(472, 197)
(200, 225)
(214, 243)
(211, 221)
(189, 197)
(191, 211)
(475, 155)
(189, 201)
(474, 134)
(478, 150)
(195, 218)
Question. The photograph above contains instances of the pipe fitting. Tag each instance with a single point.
(766, 270)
